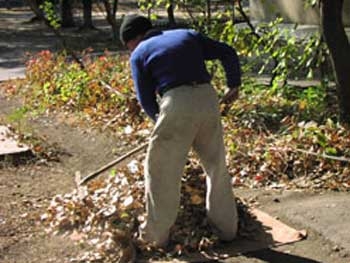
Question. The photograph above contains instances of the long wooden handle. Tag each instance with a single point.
(115, 162)
(112, 163)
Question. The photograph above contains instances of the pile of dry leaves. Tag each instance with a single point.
(105, 216)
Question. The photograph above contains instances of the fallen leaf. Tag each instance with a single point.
(128, 201)
(196, 199)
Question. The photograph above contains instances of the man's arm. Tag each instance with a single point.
(213, 49)
(145, 90)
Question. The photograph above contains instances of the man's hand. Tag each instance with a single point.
(230, 96)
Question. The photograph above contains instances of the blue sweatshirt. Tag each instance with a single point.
(177, 57)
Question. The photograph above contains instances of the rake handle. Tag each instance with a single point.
(96, 173)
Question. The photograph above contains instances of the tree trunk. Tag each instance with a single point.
(115, 7)
(339, 47)
(111, 16)
(87, 14)
(233, 17)
(208, 4)
(171, 16)
(66, 13)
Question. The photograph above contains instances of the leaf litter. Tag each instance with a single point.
(108, 216)
(269, 141)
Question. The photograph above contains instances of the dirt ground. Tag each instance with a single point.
(26, 190)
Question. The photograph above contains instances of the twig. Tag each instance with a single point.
(110, 88)
(247, 20)
(323, 155)
(111, 121)
(189, 12)
(254, 33)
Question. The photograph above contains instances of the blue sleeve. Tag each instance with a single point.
(213, 49)
(144, 87)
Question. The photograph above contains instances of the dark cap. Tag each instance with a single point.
(132, 26)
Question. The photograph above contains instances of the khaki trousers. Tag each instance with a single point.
(189, 117)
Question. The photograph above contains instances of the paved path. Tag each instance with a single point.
(13, 73)
(326, 213)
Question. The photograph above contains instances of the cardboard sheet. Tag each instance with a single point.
(268, 232)
(8, 145)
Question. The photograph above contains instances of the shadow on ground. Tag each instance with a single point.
(20, 36)
(255, 244)
(274, 256)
